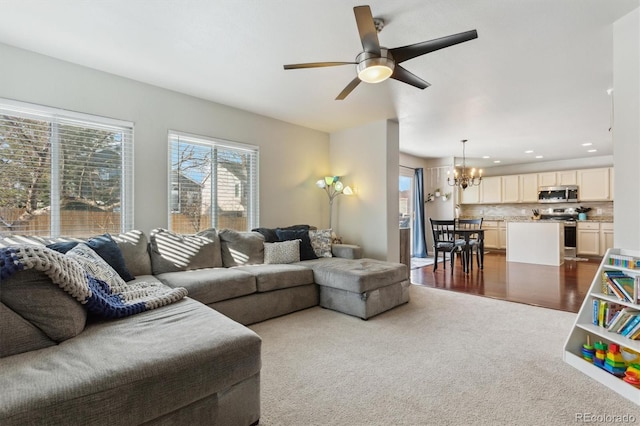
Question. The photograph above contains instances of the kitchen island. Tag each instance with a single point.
(535, 241)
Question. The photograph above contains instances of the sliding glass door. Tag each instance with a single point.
(406, 210)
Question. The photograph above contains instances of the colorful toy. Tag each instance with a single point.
(614, 363)
(601, 349)
(587, 350)
(632, 375)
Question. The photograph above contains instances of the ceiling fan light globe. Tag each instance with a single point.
(375, 69)
(375, 74)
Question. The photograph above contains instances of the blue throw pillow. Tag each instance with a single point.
(106, 248)
(306, 250)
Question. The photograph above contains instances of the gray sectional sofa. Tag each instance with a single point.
(189, 362)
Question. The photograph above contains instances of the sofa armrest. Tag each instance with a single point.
(346, 251)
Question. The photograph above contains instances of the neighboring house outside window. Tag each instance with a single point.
(63, 173)
(213, 183)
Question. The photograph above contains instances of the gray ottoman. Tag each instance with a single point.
(360, 287)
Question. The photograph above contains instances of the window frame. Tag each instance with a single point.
(251, 186)
(59, 116)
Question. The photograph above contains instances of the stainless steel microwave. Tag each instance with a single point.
(558, 194)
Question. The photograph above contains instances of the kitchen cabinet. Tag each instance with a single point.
(491, 234)
(567, 177)
(611, 175)
(511, 189)
(593, 184)
(547, 179)
(564, 177)
(606, 237)
(470, 195)
(588, 238)
(502, 235)
(495, 234)
(529, 188)
(491, 190)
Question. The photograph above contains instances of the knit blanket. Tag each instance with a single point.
(115, 300)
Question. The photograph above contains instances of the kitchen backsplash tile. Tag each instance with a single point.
(525, 210)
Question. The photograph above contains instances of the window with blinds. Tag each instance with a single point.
(212, 183)
(63, 173)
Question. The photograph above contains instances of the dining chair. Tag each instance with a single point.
(471, 224)
(444, 240)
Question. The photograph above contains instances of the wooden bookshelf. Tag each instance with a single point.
(584, 327)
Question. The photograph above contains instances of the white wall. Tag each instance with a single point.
(291, 157)
(626, 130)
(367, 157)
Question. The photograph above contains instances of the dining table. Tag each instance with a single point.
(469, 235)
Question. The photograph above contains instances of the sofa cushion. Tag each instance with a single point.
(270, 235)
(105, 247)
(19, 335)
(306, 251)
(211, 284)
(146, 365)
(273, 277)
(134, 246)
(356, 275)
(32, 295)
(321, 242)
(241, 248)
(282, 252)
(171, 252)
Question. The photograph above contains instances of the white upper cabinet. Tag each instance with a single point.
(547, 179)
(511, 189)
(564, 177)
(470, 195)
(593, 184)
(491, 190)
(529, 188)
(567, 177)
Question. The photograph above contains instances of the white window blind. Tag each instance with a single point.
(212, 183)
(64, 173)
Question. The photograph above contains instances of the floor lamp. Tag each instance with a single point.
(333, 187)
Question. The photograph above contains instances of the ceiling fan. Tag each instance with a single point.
(376, 63)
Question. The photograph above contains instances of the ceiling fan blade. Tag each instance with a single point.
(401, 74)
(367, 29)
(345, 92)
(401, 54)
(316, 65)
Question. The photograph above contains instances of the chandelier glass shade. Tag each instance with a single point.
(464, 178)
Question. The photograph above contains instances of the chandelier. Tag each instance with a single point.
(461, 178)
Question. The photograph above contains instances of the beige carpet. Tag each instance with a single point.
(443, 359)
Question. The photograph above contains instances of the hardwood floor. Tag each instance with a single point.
(557, 287)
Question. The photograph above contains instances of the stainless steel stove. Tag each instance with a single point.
(569, 216)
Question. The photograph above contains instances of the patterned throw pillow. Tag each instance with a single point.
(282, 252)
(321, 242)
(95, 265)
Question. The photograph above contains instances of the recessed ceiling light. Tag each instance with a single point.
(485, 156)
(587, 144)
(529, 151)
(539, 156)
(496, 161)
(592, 150)
(609, 92)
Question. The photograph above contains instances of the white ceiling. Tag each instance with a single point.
(536, 77)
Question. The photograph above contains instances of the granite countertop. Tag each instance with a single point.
(597, 219)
